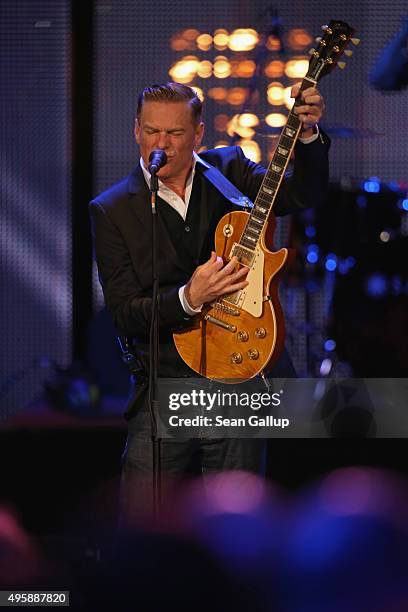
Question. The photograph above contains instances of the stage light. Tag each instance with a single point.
(296, 68)
(190, 34)
(204, 69)
(404, 204)
(310, 231)
(221, 122)
(243, 39)
(298, 38)
(236, 95)
(331, 262)
(376, 285)
(234, 127)
(217, 93)
(275, 69)
(221, 38)
(222, 67)
(275, 119)
(275, 93)
(288, 100)
(248, 120)
(251, 149)
(312, 253)
(177, 43)
(372, 185)
(385, 236)
(396, 285)
(244, 69)
(273, 43)
(312, 257)
(185, 69)
(326, 367)
(329, 345)
(204, 42)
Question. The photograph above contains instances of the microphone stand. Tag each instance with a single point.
(154, 352)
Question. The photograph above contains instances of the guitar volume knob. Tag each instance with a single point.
(260, 332)
(236, 358)
(253, 353)
(243, 336)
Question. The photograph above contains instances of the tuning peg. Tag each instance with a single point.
(318, 39)
(324, 28)
(341, 65)
(311, 51)
(348, 52)
(355, 41)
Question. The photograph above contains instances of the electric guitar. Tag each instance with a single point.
(241, 335)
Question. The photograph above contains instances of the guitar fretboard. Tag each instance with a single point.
(269, 188)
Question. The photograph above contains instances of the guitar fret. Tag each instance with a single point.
(276, 168)
(281, 161)
(255, 232)
(286, 142)
(272, 178)
(282, 151)
(293, 121)
(257, 213)
(263, 199)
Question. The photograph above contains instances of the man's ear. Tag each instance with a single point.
(199, 135)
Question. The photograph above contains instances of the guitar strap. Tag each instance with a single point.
(224, 186)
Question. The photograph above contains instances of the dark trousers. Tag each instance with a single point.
(180, 460)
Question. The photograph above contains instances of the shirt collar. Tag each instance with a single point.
(196, 159)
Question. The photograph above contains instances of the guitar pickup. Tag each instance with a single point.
(245, 256)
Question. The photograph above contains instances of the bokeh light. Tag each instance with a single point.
(275, 120)
(275, 93)
(296, 68)
(204, 42)
(222, 67)
(298, 38)
(185, 69)
(204, 69)
(275, 69)
(221, 39)
(243, 39)
(251, 149)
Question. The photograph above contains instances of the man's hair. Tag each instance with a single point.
(171, 92)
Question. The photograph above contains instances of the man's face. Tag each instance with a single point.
(168, 126)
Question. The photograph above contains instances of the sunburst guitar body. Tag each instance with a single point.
(240, 335)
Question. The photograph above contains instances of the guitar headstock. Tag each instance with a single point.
(331, 47)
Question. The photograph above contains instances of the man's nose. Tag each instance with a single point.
(163, 140)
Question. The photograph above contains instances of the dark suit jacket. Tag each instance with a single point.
(121, 221)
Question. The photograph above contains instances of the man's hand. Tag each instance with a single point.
(311, 111)
(213, 279)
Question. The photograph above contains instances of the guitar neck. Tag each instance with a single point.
(271, 182)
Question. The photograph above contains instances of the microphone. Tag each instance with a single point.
(157, 159)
